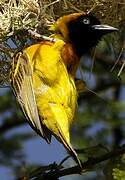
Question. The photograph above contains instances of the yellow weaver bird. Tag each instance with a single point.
(43, 76)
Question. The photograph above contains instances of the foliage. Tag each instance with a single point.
(118, 174)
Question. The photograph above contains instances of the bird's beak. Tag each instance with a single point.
(105, 28)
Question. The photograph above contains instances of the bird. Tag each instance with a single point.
(43, 76)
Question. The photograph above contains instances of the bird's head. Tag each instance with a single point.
(82, 30)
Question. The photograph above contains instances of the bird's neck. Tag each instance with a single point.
(82, 46)
(70, 58)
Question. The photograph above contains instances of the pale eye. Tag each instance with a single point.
(86, 21)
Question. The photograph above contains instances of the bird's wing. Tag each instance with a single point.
(22, 85)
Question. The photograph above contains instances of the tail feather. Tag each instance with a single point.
(69, 148)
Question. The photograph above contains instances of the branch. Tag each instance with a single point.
(54, 174)
(88, 165)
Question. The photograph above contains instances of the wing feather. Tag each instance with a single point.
(22, 85)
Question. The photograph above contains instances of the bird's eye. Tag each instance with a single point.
(86, 21)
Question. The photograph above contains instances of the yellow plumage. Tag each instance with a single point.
(46, 91)
(43, 76)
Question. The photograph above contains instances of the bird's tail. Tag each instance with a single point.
(69, 148)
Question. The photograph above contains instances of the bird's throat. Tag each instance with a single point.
(83, 46)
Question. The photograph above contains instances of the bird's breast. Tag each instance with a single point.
(53, 84)
(70, 58)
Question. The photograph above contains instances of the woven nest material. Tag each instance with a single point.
(24, 14)
(17, 16)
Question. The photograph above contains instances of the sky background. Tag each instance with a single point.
(37, 151)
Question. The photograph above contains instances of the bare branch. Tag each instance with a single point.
(88, 165)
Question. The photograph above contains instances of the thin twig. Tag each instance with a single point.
(65, 159)
(121, 69)
(116, 62)
(39, 36)
(52, 3)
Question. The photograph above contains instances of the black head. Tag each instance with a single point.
(85, 31)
